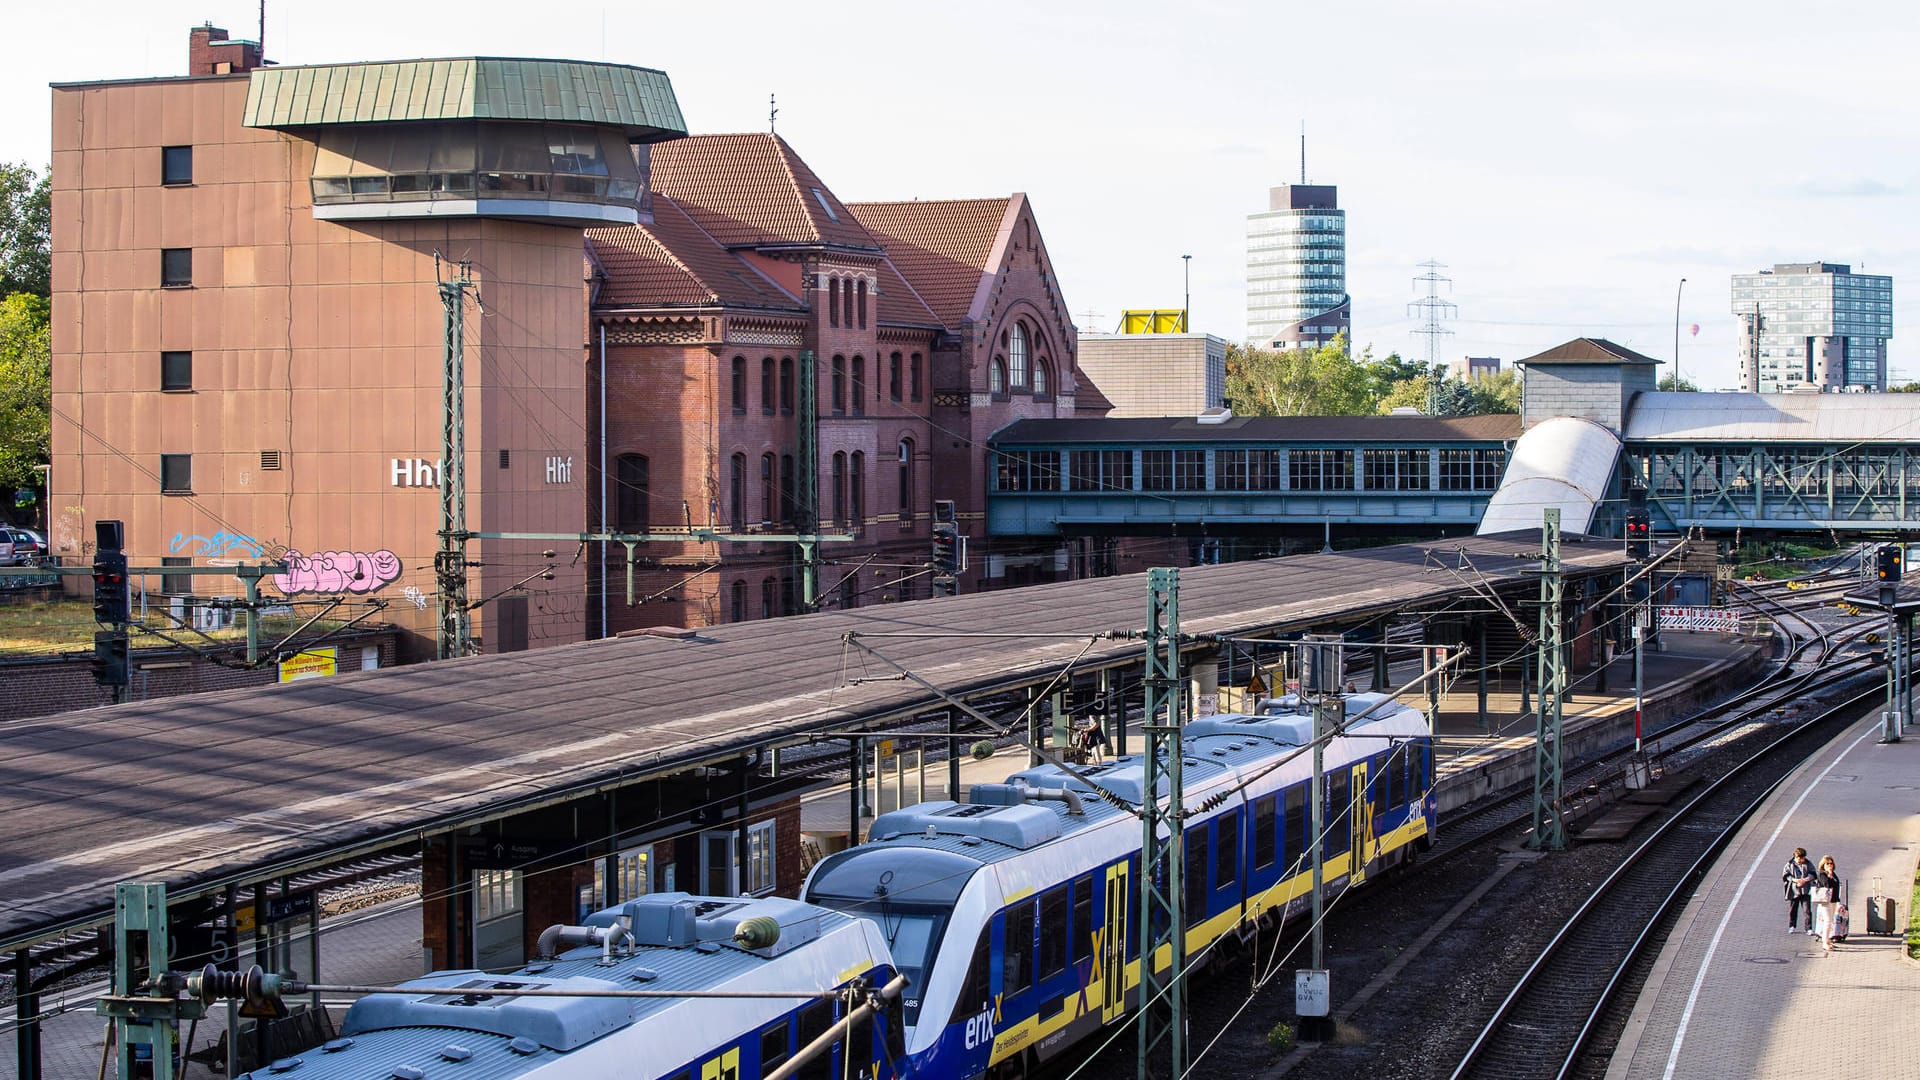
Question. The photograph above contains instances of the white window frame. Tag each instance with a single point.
(633, 872)
(497, 894)
(761, 862)
(1017, 366)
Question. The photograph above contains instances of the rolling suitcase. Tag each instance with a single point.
(1880, 911)
(1841, 920)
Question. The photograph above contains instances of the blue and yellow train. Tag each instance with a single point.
(1015, 916)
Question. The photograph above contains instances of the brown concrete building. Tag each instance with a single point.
(777, 361)
(248, 323)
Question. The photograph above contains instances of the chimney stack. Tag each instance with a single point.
(210, 53)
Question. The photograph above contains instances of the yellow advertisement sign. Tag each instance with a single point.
(309, 664)
(1153, 321)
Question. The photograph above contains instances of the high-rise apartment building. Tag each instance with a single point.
(1813, 326)
(1297, 269)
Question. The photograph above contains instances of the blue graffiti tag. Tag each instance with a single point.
(218, 544)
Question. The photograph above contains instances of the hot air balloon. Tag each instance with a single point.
(1695, 330)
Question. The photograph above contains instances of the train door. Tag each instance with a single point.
(1112, 956)
(1361, 817)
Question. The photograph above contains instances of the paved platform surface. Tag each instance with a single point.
(1734, 995)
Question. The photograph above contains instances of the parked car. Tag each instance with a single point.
(7, 556)
(29, 547)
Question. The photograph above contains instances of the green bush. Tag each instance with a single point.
(1913, 920)
(1281, 1037)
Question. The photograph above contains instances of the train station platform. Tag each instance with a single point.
(1733, 994)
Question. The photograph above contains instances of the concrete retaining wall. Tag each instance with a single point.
(1587, 737)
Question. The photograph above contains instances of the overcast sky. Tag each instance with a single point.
(1568, 166)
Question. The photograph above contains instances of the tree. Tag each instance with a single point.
(1495, 393)
(1670, 381)
(1326, 381)
(26, 231)
(26, 388)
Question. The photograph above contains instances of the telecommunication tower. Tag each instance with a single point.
(1431, 309)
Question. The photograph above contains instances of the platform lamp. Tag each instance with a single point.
(1676, 331)
(1186, 299)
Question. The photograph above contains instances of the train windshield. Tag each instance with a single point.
(914, 937)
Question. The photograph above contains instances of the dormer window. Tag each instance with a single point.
(821, 198)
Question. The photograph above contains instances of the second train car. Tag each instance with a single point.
(1015, 915)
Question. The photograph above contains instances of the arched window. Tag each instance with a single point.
(893, 376)
(1017, 357)
(915, 371)
(789, 494)
(766, 386)
(737, 602)
(997, 376)
(786, 386)
(839, 386)
(630, 474)
(859, 386)
(1042, 378)
(840, 487)
(857, 487)
(863, 303)
(766, 487)
(767, 602)
(833, 301)
(737, 492)
(739, 385)
(906, 480)
(846, 304)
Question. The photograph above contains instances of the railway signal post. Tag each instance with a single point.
(1889, 566)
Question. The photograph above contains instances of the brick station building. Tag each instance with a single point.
(925, 325)
(249, 340)
(248, 330)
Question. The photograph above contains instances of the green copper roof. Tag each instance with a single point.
(471, 88)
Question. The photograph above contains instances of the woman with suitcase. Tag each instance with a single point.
(1826, 901)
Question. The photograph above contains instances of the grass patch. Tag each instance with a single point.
(50, 627)
(1913, 920)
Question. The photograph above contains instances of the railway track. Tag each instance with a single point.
(1553, 1023)
(1811, 658)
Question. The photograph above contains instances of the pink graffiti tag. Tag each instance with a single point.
(338, 571)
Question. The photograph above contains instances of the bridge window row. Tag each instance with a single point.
(1263, 469)
(1791, 474)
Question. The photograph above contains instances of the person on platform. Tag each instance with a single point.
(1094, 741)
(1798, 879)
(1826, 897)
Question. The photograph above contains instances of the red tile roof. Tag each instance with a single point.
(900, 304)
(748, 190)
(944, 247)
(673, 263)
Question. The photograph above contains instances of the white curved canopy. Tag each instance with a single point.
(1565, 462)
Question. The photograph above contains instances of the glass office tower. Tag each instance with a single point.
(1297, 269)
(1813, 326)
